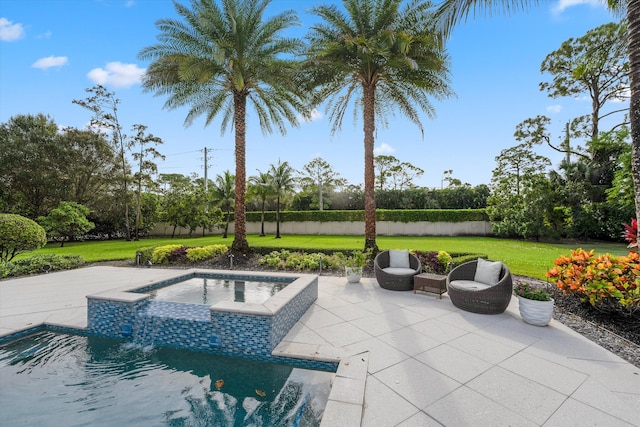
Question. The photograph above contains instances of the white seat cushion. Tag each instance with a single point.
(468, 285)
(488, 272)
(398, 271)
(399, 259)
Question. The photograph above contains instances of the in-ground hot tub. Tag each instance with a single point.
(226, 327)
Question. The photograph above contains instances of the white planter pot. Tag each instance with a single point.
(538, 313)
(354, 274)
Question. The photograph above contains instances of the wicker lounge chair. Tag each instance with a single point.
(395, 279)
(486, 299)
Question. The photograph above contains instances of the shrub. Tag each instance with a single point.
(178, 254)
(284, 259)
(36, 264)
(146, 254)
(19, 234)
(630, 233)
(444, 259)
(164, 254)
(205, 252)
(67, 221)
(434, 262)
(607, 282)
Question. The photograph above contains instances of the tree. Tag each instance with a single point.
(515, 164)
(91, 168)
(223, 194)
(19, 234)
(217, 60)
(321, 175)
(451, 12)
(282, 182)
(104, 106)
(597, 160)
(175, 189)
(520, 200)
(33, 163)
(596, 64)
(67, 221)
(146, 166)
(391, 174)
(388, 58)
(260, 188)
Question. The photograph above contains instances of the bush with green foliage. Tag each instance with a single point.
(19, 234)
(434, 262)
(288, 260)
(67, 221)
(164, 254)
(146, 254)
(39, 264)
(205, 252)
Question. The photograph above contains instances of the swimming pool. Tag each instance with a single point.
(58, 379)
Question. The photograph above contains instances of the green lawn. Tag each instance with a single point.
(523, 258)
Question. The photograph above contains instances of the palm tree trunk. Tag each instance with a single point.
(240, 243)
(369, 174)
(226, 226)
(262, 220)
(633, 19)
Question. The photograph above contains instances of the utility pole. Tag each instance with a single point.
(206, 179)
(567, 144)
(206, 170)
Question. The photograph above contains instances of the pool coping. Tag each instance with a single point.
(270, 307)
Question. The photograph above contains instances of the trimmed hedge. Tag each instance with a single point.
(38, 264)
(395, 215)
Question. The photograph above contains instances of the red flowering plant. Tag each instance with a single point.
(609, 283)
(630, 233)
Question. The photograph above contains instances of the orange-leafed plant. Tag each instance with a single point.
(607, 282)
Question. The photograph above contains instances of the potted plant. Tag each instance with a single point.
(353, 266)
(536, 305)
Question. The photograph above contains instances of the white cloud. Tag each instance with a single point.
(624, 96)
(117, 74)
(129, 3)
(46, 35)
(50, 61)
(383, 148)
(563, 5)
(554, 109)
(315, 115)
(9, 31)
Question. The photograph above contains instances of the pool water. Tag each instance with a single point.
(211, 291)
(51, 379)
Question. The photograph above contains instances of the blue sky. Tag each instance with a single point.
(52, 50)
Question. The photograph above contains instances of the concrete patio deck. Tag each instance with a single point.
(405, 359)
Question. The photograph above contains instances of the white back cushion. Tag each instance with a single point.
(399, 259)
(488, 272)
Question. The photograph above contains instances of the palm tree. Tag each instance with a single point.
(260, 188)
(223, 194)
(218, 59)
(386, 57)
(452, 12)
(282, 182)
